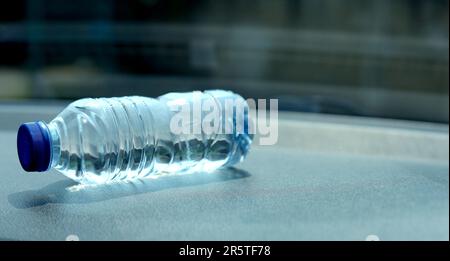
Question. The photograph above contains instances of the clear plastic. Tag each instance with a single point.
(107, 139)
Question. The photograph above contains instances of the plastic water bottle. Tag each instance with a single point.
(95, 141)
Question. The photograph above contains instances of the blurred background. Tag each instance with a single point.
(377, 58)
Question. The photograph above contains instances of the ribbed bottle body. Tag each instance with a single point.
(106, 139)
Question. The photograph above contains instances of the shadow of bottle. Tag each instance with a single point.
(70, 192)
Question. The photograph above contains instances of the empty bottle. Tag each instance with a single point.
(95, 141)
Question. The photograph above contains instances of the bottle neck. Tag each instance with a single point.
(55, 145)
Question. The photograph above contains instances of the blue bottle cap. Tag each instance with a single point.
(33, 146)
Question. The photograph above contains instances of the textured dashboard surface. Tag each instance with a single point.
(328, 178)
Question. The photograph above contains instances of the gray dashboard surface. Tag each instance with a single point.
(327, 178)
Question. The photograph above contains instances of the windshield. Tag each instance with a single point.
(376, 58)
